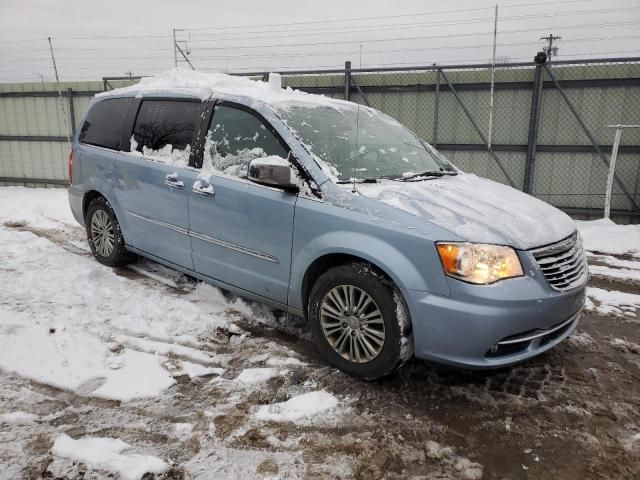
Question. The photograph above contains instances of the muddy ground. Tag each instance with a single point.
(572, 413)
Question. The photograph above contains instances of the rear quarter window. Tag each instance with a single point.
(103, 125)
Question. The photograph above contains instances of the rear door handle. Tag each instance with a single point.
(204, 190)
(172, 181)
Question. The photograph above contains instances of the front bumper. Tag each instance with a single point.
(494, 325)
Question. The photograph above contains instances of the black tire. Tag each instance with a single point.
(397, 346)
(118, 255)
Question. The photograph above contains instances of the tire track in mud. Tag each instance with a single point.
(60, 237)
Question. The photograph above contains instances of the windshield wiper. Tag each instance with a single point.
(358, 180)
(426, 173)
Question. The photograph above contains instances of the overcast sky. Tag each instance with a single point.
(247, 35)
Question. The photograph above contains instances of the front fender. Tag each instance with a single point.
(376, 251)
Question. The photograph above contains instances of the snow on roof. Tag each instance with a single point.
(181, 80)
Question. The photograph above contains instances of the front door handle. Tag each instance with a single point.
(172, 181)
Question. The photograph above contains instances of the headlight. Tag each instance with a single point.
(479, 263)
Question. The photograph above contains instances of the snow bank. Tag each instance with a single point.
(613, 302)
(606, 236)
(18, 418)
(614, 261)
(298, 408)
(624, 274)
(77, 361)
(107, 454)
(38, 207)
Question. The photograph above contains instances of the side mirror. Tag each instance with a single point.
(273, 171)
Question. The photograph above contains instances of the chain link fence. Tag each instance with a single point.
(548, 135)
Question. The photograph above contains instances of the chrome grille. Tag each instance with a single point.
(564, 263)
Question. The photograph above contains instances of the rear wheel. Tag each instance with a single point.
(360, 321)
(104, 235)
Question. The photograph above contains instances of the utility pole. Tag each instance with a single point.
(64, 111)
(184, 55)
(550, 49)
(41, 79)
(129, 73)
(493, 76)
(175, 51)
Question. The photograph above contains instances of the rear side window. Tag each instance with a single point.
(163, 126)
(103, 125)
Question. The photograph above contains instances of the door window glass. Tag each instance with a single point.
(164, 129)
(236, 137)
(103, 125)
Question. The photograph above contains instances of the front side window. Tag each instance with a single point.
(236, 137)
(103, 125)
(164, 129)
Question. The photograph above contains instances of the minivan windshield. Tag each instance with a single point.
(386, 149)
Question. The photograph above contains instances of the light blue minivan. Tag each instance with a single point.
(330, 211)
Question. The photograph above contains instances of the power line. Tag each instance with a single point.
(292, 54)
(374, 28)
(415, 14)
(305, 54)
(422, 37)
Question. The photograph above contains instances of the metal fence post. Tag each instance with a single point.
(436, 107)
(347, 80)
(72, 112)
(534, 127)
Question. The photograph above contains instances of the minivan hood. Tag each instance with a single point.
(476, 209)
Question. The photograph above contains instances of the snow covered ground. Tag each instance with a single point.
(120, 372)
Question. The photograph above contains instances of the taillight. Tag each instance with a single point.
(70, 166)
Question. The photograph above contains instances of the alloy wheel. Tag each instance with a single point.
(102, 233)
(352, 323)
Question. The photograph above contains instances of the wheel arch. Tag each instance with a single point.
(89, 197)
(325, 262)
(324, 251)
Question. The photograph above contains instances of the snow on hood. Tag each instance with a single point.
(476, 209)
(204, 84)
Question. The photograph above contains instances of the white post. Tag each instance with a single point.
(612, 170)
(493, 73)
(612, 166)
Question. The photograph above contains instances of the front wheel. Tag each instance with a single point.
(360, 321)
(104, 235)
